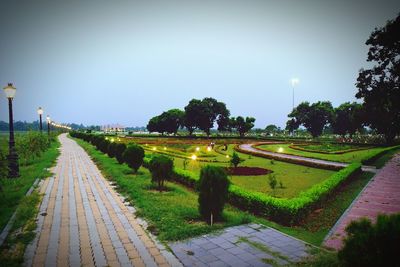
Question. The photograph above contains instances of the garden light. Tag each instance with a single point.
(165, 148)
(208, 148)
(154, 148)
(193, 157)
(280, 150)
(227, 156)
(197, 148)
(112, 140)
(13, 165)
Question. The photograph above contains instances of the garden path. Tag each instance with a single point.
(380, 195)
(83, 222)
(241, 246)
(250, 148)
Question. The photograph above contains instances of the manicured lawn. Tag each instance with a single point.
(329, 147)
(354, 156)
(295, 178)
(15, 189)
(173, 215)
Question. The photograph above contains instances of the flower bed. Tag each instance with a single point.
(247, 171)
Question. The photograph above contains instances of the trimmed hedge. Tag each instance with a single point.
(281, 210)
(374, 155)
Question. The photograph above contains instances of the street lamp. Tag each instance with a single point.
(48, 124)
(40, 112)
(13, 166)
(294, 82)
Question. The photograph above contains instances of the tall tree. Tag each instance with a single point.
(347, 118)
(244, 125)
(313, 117)
(271, 129)
(171, 120)
(192, 111)
(202, 114)
(380, 85)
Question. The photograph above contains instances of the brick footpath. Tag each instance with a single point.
(380, 196)
(83, 222)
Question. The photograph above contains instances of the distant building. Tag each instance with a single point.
(112, 128)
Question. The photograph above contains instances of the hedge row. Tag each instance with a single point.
(290, 160)
(374, 155)
(284, 211)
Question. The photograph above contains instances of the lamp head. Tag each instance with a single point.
(10, 91)
(40, 111)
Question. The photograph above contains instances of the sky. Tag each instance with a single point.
(106, 62)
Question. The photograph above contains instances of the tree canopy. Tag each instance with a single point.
(313, 117)
(379, 86)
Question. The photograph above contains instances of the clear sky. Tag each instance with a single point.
(102, 62)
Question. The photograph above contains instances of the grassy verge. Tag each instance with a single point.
(15, 189)
(22, 231)
(381, 161)
(173, 215)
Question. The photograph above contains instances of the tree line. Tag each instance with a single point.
(378, 87)
(201, 115)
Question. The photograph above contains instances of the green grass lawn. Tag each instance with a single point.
(173, 215)
(295, 178)
(354, 156)
(329, 147)
(15, 189)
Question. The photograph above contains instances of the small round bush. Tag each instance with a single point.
(112, 149)
(235, 160)
(213, 191)
(103, 146)
(370, 244)
(133, 156)
(119, 150)
(161, 169)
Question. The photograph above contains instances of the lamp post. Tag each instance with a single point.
(294, 82)
(48, 124)
(13, 166)
(40, 112)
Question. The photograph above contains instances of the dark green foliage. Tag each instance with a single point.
(235, 160)
(202, 114)
(133, 156)
(112, 149)
(169, 122)
(103, 145)
(119, 150)
(372, 245)
(242, 125)
(213, 192)
(380, 85)
(161, 168)
(313, 117)
(31, 145)
(347, 118)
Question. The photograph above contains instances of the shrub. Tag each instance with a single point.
(213, 192)
(119, 151)
(372, 245)
(235, 160)
(161, 168)
(272, 182)
(133, 156)
(31, 145)
(103, 146)
(112, 149)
